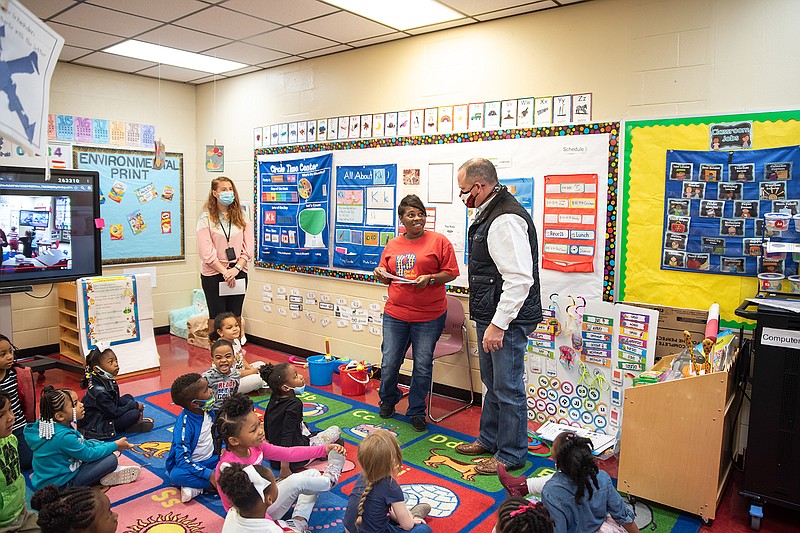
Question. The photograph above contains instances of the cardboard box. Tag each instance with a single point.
(672, 321)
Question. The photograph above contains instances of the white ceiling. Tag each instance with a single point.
(259, 33)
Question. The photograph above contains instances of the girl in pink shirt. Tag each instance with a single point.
(242, 433)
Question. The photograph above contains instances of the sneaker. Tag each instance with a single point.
(142, 426)
(121, 476)
(421, 510)
(188, 494)
(298, 524)
(419, 423)
(387, 410)
(335, 466)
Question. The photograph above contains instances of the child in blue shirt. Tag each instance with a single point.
(195, 451)
(61, 455)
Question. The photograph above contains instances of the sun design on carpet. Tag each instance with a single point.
(166, 523)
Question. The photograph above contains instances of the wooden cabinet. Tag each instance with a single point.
(675, 445)
(68, 342)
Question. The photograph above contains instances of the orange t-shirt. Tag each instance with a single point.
(429, 254)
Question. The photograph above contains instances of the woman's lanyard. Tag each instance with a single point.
(228, 234)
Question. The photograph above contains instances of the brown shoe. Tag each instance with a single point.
(471, 449)
(489, 467)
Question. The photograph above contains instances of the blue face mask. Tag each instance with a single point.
(103, 373)
(205, 405)
(299, 390)
(226, 197)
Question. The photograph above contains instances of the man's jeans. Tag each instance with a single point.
(503, 375)
(397, 336)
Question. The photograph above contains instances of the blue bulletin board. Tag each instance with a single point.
(293, 207)
(365, 214)
(142, 208)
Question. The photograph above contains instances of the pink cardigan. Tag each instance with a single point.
(211, 243)
(267, 452)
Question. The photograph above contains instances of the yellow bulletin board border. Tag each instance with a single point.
(641, 232)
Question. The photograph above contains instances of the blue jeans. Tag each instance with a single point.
(398, 335)
(392, 527)
(503, 375)
(90, 473)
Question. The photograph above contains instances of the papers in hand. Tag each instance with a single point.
(397, 279)
(225, 290)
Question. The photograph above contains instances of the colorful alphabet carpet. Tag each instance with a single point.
(433, 472)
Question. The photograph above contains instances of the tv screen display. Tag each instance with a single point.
(49, 223)
(37, 219)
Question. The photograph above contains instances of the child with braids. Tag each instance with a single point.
(252, 489)
(377, 504)
(518, 515)
(580, 497)
(241, 431)
(195, 451)
(108, 413)
(283, 420)
(226, 326)
(74, 510)
(62, 456)
(14, 516)
(10, 372)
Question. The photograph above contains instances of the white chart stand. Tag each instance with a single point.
(133, 356)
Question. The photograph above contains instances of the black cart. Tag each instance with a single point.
(772, 460)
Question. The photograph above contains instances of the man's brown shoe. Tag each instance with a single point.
(471, 449)
(489, 467)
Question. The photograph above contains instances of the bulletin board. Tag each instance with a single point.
(142, 208)
(525, 155)
(647, 143)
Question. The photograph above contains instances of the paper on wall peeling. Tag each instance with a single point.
(341, 301)
(311, 317)
(325, 298)
(325, 321)
(358, 327)
(267, 308)
(356, 304)
(342, 323)
(267, 287)
(375, 331)
(281, 290)
(295, 292)
(282, 311)
(374, 306)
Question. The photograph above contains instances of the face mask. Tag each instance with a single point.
(205, 405)
(467, 197)
(103, 373)
(298, 390)
(226, 197)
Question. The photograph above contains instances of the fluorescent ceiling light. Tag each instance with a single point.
(173, 56)
(401, 15)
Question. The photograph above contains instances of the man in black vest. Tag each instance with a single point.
(505, 304)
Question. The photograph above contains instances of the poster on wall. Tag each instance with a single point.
(716, 204)
(294, 202)
(142, 207)
(365, 214)
(111, 310)
(570, 222)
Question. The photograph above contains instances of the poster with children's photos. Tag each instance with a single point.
(715, 205)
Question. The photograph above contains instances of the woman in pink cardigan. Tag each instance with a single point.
(225, 246)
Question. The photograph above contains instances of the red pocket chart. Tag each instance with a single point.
(570, 222)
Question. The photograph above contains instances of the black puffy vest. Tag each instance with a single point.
(485, 282)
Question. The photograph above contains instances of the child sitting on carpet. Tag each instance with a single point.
(222, 377)
(241, 431)
(61, 455)
(252, 489)
(283, 420)
(108, 413)
(194, 453)
(12, 383)
(226, 326)
(14, 515)
(600, 509)
(518, 515)
(74, 510)
(377, 503)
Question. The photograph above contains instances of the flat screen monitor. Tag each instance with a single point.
(49, 223)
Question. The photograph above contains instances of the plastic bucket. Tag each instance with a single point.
(794, 281)
(353, 381)
(320, 370)
(770, 282)
(777, 221)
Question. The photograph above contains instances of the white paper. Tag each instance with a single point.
(239, 288)
(380, 217)
(440, 183)
(397, 279)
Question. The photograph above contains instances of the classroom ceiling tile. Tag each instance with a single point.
(94, 40)
(113, 62)
(224, 22)
(441, 26)
(344, 27)
(280, 11)
(278, 62)
(211, 79)
(45, 9)
(70, 53)
(162, 11)
(245, 53)
(106, 20)
(380, 39)
(476, 7)
(510, 12)
(290, 41)
(327, 51)
(182, 39)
